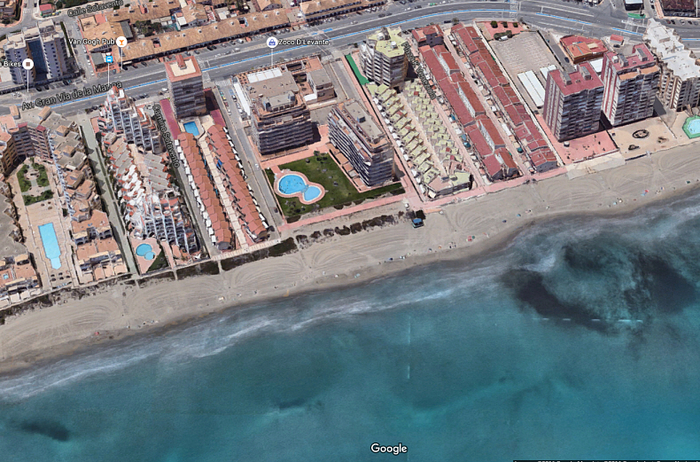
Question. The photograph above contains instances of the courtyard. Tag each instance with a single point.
(339, 191)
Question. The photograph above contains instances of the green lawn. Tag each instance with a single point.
(43, 179)
(322, 169)
(29, 199)
(160, 262)
(24, 184)
(360, 78)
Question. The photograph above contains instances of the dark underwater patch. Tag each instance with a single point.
(54, 430)
(670, 291)
(529, 288)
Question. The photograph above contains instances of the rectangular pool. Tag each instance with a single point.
(50, 243)
(191, 127)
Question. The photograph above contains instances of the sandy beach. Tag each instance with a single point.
(340, 260)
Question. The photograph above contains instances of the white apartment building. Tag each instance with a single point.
(46, 46)
(679, 87)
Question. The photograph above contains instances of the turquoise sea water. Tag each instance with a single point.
(579, 340)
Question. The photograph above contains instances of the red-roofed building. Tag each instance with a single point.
(47, 9)
(481, 146)
(491, 134)
(573, 102)
(232, 176)
(581, 48)
(430, 36)
(464, 39)
(220, 231)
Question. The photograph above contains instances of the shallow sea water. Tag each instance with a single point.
(579, 340)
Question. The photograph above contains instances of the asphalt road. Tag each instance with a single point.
(566, 17)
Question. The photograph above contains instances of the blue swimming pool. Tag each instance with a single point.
(692, 127)
(145, 251)
(191, 127)
(311, 193)
(292, 184)
(50, 243)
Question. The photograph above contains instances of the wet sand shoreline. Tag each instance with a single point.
(39, 336)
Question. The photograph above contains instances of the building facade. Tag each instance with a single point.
(573, 102)
(679, 87)
(383, 58)
(46, 46)
(630, 84)
(358, 137)
(279, 115)
(121, 115)
(186, 87)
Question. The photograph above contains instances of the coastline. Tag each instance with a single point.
(39, 336)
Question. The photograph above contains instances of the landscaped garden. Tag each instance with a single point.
(42, 181)
(322, 169)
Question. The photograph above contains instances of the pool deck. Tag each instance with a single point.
(142, 263)
(41, 213)
(658, 131)
(299, 195)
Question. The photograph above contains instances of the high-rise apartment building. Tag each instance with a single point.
(46, 46)
(679, 87)
(120, 114)
(186, 86)
(279, 115)
(358, 137)
(630, 84)
(383, 57)
(572, 102)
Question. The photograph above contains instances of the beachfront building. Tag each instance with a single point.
(280, 117)
(96, 254)
(679, 87)
(209, 201)
(119, 114)
(149, 204)
(573, 102)
(244, 205)
(46, 46)
(17, 275)
(360, 139)
(383, 58)
(631, 82)
(186, 86)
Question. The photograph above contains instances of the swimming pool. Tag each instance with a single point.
(312, 193)
(191, 127)
(145, 251)
(50, 243)
(691, 127)
(292, 184)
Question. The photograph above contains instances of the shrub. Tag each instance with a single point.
(494, 24)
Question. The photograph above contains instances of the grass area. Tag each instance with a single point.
(29, 199)
(322, 169)
(24, 184)
(360, 78)
(159, 263)
(43, 179)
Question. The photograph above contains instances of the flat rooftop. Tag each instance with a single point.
(182, 68)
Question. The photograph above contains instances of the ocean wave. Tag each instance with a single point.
(583, 269)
